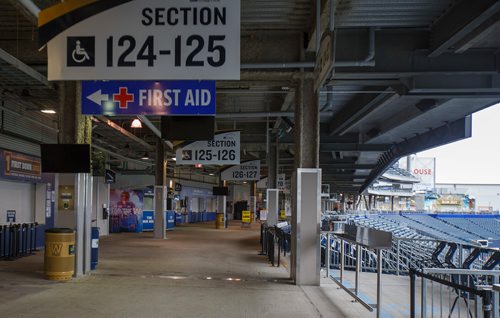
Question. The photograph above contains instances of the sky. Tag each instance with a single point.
(472, 160)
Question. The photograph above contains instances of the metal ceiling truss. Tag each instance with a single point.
(455, 131)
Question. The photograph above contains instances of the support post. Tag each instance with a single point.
(379, 283)
(306, 186)
(307, 254)
(272, 207)
(160, 231)
(76, 129)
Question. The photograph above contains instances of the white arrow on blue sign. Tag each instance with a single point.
(148, 98)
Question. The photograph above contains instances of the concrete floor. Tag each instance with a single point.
(197, 272)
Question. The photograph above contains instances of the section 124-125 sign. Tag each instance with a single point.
(142, 40)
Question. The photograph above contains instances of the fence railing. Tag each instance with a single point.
(407, 253)
(274, 242)
(449, 292)
(17, 240)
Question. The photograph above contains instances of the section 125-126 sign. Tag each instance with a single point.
(224, 149)
(142, 40)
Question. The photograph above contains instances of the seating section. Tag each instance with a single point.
(487, 228)
(462, 229)
(380, 222)
(492, 225)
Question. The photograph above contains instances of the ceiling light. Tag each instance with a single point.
(211, 174)
(174, 159)
(145, 156)
(136, 123)
(48, 111)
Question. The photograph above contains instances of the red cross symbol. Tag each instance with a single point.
(123, 98)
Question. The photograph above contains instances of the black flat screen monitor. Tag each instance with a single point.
(65, 158)
(221, 191)
(189, 128)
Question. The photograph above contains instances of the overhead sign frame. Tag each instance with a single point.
(224, 149)
(246, 171)
(142, 39)
(166, 98)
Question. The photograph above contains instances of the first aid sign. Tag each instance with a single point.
(148, 98)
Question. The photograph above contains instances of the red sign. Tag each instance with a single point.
(426, 172)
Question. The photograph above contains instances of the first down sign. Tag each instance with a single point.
(148, 98)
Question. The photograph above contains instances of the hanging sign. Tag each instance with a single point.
(178, 187)
(142, 39)
(262, 183)
(281, 182)
(247, 171)
(224, 149)
(148, 98)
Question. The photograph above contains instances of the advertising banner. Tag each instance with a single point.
(425, 170)
(247, 171)
(224, 149)
(126, 210)
(142, 40)
(166, 98)
(20, 167)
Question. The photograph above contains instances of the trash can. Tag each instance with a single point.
(94, 253)
(219, 222)
(59, 260)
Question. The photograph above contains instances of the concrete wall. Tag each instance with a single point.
(20, 197)
(240, 192)
(65, 218)
(133, 181)
(40, 202)
(100, 197)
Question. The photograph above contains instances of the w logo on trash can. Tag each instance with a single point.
(56, 249)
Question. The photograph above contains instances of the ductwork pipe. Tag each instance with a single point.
(286, 65)
(369, 60)
(262, 115)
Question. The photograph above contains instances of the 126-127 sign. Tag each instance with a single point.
(149, 40)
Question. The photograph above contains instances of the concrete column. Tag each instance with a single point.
(307, 132)
(272, 165)
(221, 203)
(306, 187)
(160, 193)
(253, 200)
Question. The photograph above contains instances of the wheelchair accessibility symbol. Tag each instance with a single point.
(79, 54)
(80, 51)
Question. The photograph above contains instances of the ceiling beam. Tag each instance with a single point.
(464, 18)
(116, 155)
(357, 110)
(154, 129)
(451, 132)
(329, 147)
(125, 132)
(14, 62)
